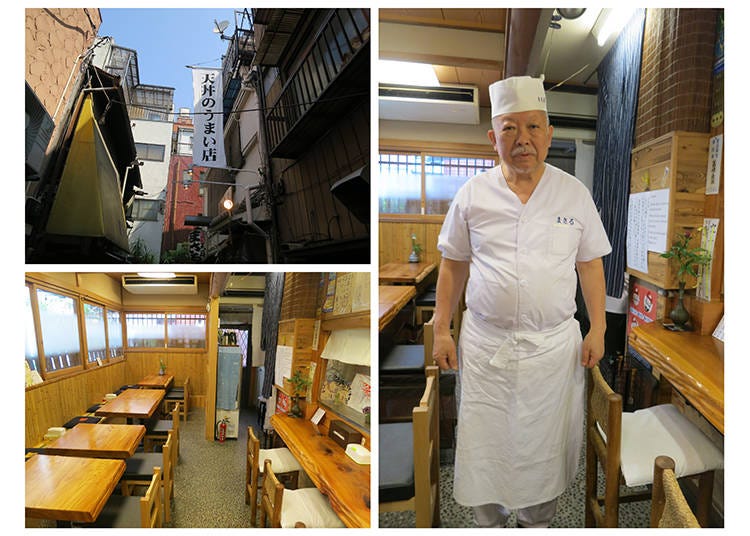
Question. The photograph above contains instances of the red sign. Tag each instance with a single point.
(641, 304)
(283, 402)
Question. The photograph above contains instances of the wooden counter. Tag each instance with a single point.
(692, 363)
(409, 273)
(345, 482)
(393, 298)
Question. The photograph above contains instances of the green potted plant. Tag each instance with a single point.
(416, 249)
(300, 381)
(688, 260)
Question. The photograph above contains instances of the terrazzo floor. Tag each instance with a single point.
(570, 507)
(210, 477)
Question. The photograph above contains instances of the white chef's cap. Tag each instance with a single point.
(517, 94)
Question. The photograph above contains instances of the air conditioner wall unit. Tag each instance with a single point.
(440, 104)
(182, 284)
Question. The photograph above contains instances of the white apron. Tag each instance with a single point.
(520, 423)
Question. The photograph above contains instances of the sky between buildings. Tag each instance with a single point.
(167, 40)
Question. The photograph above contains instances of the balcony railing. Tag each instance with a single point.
(240, 52)
(345, 33)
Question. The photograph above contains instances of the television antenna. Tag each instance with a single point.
(219, 28)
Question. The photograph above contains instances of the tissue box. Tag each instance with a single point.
(343, 434)
(53, 433)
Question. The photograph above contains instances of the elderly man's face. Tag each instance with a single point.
(522, 140)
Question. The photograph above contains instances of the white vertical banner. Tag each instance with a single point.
(208, 105)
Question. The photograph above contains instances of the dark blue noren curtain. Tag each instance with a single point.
(619, 77)
(270, 327)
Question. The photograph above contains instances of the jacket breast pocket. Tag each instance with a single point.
(563, 240)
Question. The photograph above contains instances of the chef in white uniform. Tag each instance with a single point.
(519, 232)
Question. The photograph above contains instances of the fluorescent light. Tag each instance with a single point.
(610, 22)
(157, 275)
(407, 73)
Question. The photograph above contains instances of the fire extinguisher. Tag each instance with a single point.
(222, 430)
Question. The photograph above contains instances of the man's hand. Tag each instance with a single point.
(444, 351)
(592, 349)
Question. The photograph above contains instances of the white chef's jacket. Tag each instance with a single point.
(521, 383)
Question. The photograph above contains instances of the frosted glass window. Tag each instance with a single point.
(114, 331)
(145, 330)
(58, 317)
(186, 331)
(32, 351)
(444, 175)
(400, 183)
(96, 341)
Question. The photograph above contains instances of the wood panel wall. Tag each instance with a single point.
(55, 402)
(395, 239)
(180, 364)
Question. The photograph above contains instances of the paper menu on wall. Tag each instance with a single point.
(342, 304)
(637, 233)
(330, 293)
(283, 366)
(713, 173)
(708, 241)
(360, 291)
(648, 218)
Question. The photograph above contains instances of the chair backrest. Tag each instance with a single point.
(253, 452)
(428, 336)
(151, 502)
(669, 509)
(168, 457)
(270, 498)
(605, 410)
(426, 426)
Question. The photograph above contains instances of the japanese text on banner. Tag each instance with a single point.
(208, 140)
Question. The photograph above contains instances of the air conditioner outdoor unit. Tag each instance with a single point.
(39, 127)
(443, 104)
(181, 284)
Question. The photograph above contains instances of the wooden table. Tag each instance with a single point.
(393, 298)
(133, 404)
(98, 441)
(156, 381)
(409, 273)
(345, 482)
(692, 363)
(66, 488)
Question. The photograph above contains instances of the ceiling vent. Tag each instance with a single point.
(181, 284)
(442, 104)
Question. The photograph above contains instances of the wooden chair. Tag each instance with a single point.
(179, 396)
(288, 469)
(669, 509)
(410, 459)
(123, 511)
(625, 444)
(295, 508)
(157, 431)
(137, 473)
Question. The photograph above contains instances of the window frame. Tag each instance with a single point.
(79, 301)
(165, 313)
(423, 150)
(148, 148)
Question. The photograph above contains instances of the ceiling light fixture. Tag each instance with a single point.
(157, 275)
(407, 73)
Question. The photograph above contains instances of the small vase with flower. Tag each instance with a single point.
(688, 260)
